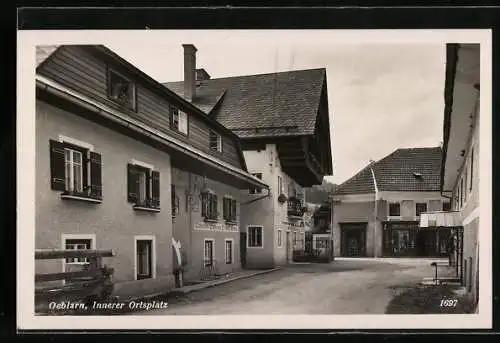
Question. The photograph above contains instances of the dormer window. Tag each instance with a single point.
(178, 120)
(215, 141)
(121, 90)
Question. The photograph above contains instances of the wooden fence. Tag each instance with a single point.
(92, 282)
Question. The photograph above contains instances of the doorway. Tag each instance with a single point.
(353, 243)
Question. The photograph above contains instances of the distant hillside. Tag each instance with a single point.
(319, 194)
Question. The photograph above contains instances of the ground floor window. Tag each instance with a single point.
(229, 251)
(144, 251)
(280, 238)
(254, 234)
(77, 244)
(411, 240)
(208, 252)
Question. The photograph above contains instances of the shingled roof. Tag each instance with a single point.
(404, 170)
(276, 104)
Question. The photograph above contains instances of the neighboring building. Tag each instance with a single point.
(282, 120)
(460, 160)
(109, 143)
(377, 211)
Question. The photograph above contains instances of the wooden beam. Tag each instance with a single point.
(91, 274)
(50, 254)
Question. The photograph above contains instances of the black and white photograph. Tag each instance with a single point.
(254, 179)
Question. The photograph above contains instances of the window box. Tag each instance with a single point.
(143, 188)
(91, 195)
(76, 171)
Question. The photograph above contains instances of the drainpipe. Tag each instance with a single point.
(374, 240)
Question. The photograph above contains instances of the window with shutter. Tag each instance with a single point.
(75, 171)
(209, 206)
(225, 208)
(143, 188)
(233, 211)
(183, 122)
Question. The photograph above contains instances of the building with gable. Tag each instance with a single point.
(377, 211)
(125, 164)
(282, 121)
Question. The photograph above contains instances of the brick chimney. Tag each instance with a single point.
(189, 71)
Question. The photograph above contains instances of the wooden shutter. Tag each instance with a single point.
(225, 208)
(183, 122)
(95, 174)
(57, 166)
(155, 187)
(131, 184)
(214, 204)
(233, 210)
(204, 199)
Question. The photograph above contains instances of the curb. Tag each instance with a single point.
(221, 282)
(201, 286)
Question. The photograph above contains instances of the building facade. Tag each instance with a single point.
(460, 160)
(376, 212)
(108, 142)
(282, 121)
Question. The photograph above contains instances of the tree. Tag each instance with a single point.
(318, 194)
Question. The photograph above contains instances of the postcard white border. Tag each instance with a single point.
(27, 40)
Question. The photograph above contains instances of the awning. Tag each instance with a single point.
(441, 219)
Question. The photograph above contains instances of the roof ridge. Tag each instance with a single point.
(251, 75)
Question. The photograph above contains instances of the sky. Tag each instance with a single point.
(381, 97)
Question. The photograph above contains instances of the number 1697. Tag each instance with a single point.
(448, 303)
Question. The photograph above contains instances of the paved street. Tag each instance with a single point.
(346, 286)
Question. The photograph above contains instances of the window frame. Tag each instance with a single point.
(212, 259)
(230, 210)
(261, 228)
(279, 242)
(211, 134)
(152, 257)
(259, 176)
(69, 236)
(229, 240)
(132, 107)
(421, 203)
(173, 111)
(150, 204)
(398, 203)
(210, 206)
(90, 169)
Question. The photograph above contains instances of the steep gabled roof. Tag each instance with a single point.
(404, 170)
(360, 183)
(284, 103)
